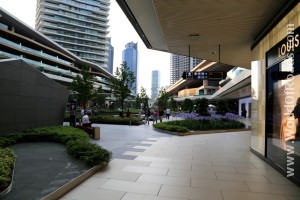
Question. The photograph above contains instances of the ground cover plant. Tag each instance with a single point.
(106, 119)
(76, 142)
(7, 160)
(195, 122)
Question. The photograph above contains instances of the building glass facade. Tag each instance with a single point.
(155, 84)
(180, 64)
(19, 41)
(79, 26)
(130, 56)
(275, 96)
(111, 58)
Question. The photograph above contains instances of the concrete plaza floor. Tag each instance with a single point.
(216, 166)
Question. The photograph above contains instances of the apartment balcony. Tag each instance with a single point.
(35, 52)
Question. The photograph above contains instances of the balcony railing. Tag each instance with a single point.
(40, 53)
(41, 65)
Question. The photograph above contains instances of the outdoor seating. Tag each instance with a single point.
(89, 130)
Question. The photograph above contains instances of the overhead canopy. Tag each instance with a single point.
(232, 25)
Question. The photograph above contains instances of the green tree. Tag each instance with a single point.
(141, 98)
(222, 107)
(173, 104)
(188, 105)
(138, 101)
(202, 106)
(144, 97)
(121, 83)
(82, 87)
(100, 97)
(162, 100)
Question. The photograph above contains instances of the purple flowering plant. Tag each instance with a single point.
(213, 116)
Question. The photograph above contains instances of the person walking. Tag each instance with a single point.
(168, 113)
(161, 114)
(155, 116)
(147, 115)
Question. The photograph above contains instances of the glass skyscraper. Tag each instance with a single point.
(130, 56)
(155, 84)
(79, 26)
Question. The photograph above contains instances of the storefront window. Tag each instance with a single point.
(283, 108)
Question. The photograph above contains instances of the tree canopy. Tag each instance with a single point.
(202, 106)
(121, 83)
(162, 100)
(82, 87)
(188, 105)
(173, 104)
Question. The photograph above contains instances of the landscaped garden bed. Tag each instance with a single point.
(195, 122)
(110, 120)
(76, 142)
(7, 160)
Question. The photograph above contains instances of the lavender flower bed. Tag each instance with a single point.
(193, 121)
(195, 116)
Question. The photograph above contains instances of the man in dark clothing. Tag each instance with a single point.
(147, 115)
(160, 114)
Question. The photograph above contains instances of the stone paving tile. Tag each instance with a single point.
(130, 162)
(145, 170)
(189, 173)
(119, 175)
(242, 177)
(140, 147)
(190, 193)
(198, 167)
(165, 180)
(94, 182)
(186, 166)
(133, 153)
(236, 195)
(134, 187)
(274, 188)
(131, 196)
(80, 193)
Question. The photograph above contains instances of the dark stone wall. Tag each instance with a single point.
(28, 98)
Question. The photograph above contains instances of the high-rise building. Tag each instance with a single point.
(130, 56)
(19, 41)
(155, 84)
(111, 58)
(180, 64)
(79, 26)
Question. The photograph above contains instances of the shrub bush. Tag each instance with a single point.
(190, 124)
(171, 128)
(106, 119)
(222, 107)
(7, 160)
(116, 120)
(76, 141)
(202, 106)
(71, 137)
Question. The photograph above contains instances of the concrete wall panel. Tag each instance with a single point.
(28, 98)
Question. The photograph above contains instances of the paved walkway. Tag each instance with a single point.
(198, 167)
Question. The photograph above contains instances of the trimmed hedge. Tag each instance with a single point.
(171, 128)
(112, 119)
(76, 141)
(7, 159)
(108, 119)
(73, 138)
(202, 125)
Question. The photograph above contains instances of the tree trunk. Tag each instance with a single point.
(122, 106)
